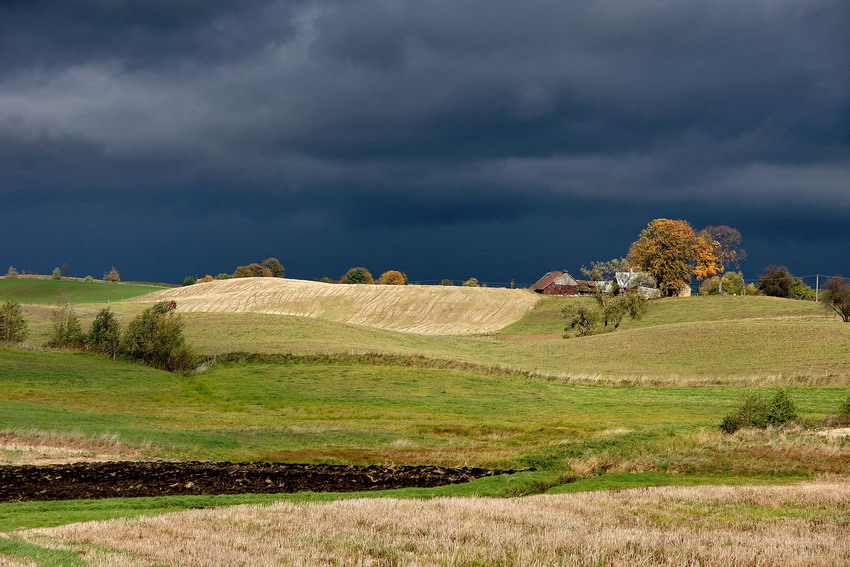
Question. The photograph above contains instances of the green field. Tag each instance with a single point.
(51, 292)
(639, 407)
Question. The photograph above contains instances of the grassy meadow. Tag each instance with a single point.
(51, 292)
(635, 408)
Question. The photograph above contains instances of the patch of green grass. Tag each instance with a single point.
(42, 556)
(51, 292)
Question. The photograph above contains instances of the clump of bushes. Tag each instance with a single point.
(393, 277)
(154, 337)
(270, 268)
(756, 411)
(604, 317)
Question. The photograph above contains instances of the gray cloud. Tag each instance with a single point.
(428, 114)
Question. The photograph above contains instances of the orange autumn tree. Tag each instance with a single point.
(393, 277)
(671, 251)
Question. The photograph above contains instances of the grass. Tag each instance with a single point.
(51, 292)
(797, 525)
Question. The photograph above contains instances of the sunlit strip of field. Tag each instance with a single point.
(708, 526)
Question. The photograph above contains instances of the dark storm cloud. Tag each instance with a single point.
(408, 115)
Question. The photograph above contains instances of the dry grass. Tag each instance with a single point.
(428, 310)
(7, 562)
(706, 526)
(33, 447)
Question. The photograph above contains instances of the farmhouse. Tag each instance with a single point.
(556, 283)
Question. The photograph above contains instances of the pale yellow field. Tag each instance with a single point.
(427, 310)
(708, 526)
(39, 448)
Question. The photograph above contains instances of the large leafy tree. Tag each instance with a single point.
(671, 251)
(837, 297)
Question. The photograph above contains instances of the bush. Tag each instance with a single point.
(393, 277)
(357, 276)
(471, 282)
(189, 280)
(274, 266)
(57, 274)
(66, 331)
(582, 320)
(206, 279)
(223, 276)
(800, 290)
(105, 334)
(252, 271)
(733, 284)
(844, 408)
(447, 282)
(13, 326)
(12, 274)
(155, 337)
(758, 412)
(88, 279)
(326, 279)
(776, 281)
(112, 276)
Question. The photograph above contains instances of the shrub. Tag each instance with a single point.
(13, 326)
(252, 271)
(206, 279)
(105, 334)
(66, 331)
(112, 276)
(274, 266)
(155, 337)
(393, 277)
(472, 282)
(583, 319)
(757, 412)
(325, 279)
(57, 274)
(223, 276)
(12, 274)
(357, 276)
(844, 408)
(88, 279)
(733, 284)
(776, 281)
(800, 290)
(447, 282)
(189, 280)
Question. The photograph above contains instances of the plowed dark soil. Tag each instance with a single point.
(157, 478)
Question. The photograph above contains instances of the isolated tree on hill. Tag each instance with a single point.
(274, 266)
(447, 282)
(357, 276)
(393, 277)
(155, 337)
(776, 281)
(57, 274)
(670, 251)
(728, 251)
(66, 331)
(13, 326)
(105, 334)
(189, 280)
(836, 297)
(12, 274)
(471, 282)
(112, 276)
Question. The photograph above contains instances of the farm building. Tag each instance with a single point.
(556, 283)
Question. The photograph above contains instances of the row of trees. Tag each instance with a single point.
(63, 271)
(154, 337)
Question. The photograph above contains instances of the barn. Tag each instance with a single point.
(556, 283)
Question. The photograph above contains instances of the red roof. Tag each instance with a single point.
(545, 280)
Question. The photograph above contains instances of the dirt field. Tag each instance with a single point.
(428, 310)
(157, 478)
(787, 526)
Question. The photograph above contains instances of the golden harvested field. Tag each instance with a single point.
(799, 525)
(427, 310)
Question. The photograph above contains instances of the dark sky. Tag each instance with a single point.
(495, 139)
